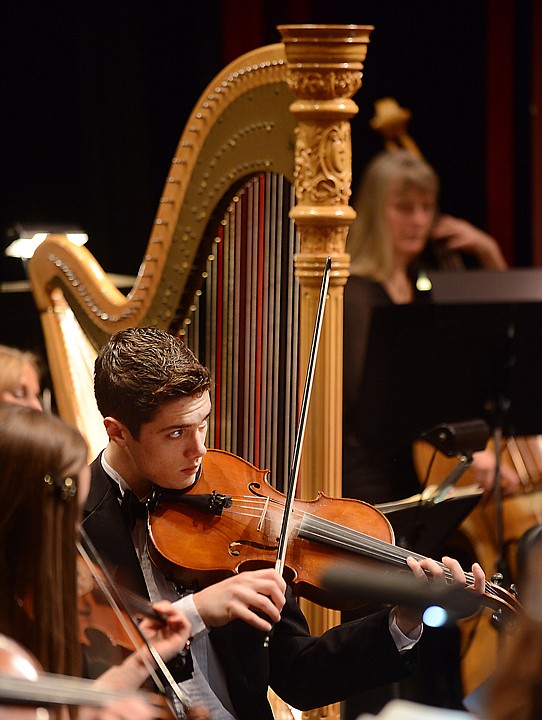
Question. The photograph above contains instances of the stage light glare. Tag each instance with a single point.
(25, 247)
(435, 616)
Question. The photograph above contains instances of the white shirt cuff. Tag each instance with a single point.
(403, 642)
(188, 606)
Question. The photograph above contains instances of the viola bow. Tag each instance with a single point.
(296, 456)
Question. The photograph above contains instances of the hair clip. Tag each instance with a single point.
(65, 487)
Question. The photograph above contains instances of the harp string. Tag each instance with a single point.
(244, 326)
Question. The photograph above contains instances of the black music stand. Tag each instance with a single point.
(472, 350)
(420, 524)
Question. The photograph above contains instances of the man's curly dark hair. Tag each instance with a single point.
(141, 369)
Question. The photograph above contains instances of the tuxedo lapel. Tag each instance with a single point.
(105, 525)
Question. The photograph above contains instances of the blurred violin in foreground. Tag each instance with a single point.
(114, 612)
(26, 691)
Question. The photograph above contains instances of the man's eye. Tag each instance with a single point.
(176, 433)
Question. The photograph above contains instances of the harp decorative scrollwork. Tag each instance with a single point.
(255, 200)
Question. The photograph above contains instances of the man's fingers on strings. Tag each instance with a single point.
(421, 568)
(458, 575)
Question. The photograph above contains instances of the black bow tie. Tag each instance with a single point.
(132, 508)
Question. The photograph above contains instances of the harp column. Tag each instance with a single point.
(324, 71)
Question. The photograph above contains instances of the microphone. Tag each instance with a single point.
(362, 585)
(462, 438)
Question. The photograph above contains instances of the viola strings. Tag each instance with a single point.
(323, 530)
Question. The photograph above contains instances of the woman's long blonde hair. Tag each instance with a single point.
(369, 243)
(40, 457)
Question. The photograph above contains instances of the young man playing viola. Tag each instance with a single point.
(154, 397)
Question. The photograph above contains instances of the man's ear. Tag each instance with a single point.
(116, 431)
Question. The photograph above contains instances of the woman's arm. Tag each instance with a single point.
(460, 235)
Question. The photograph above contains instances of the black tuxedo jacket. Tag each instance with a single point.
(303, 670)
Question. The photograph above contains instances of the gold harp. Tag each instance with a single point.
(255, 200)
(225, 267)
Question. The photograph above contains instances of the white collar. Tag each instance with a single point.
(114, 475)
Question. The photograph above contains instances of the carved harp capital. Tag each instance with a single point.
(324, 66)
(325, 62)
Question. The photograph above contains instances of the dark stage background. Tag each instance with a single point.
(95, 95)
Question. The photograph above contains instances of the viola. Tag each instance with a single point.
(230, 520)
(16, 663)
